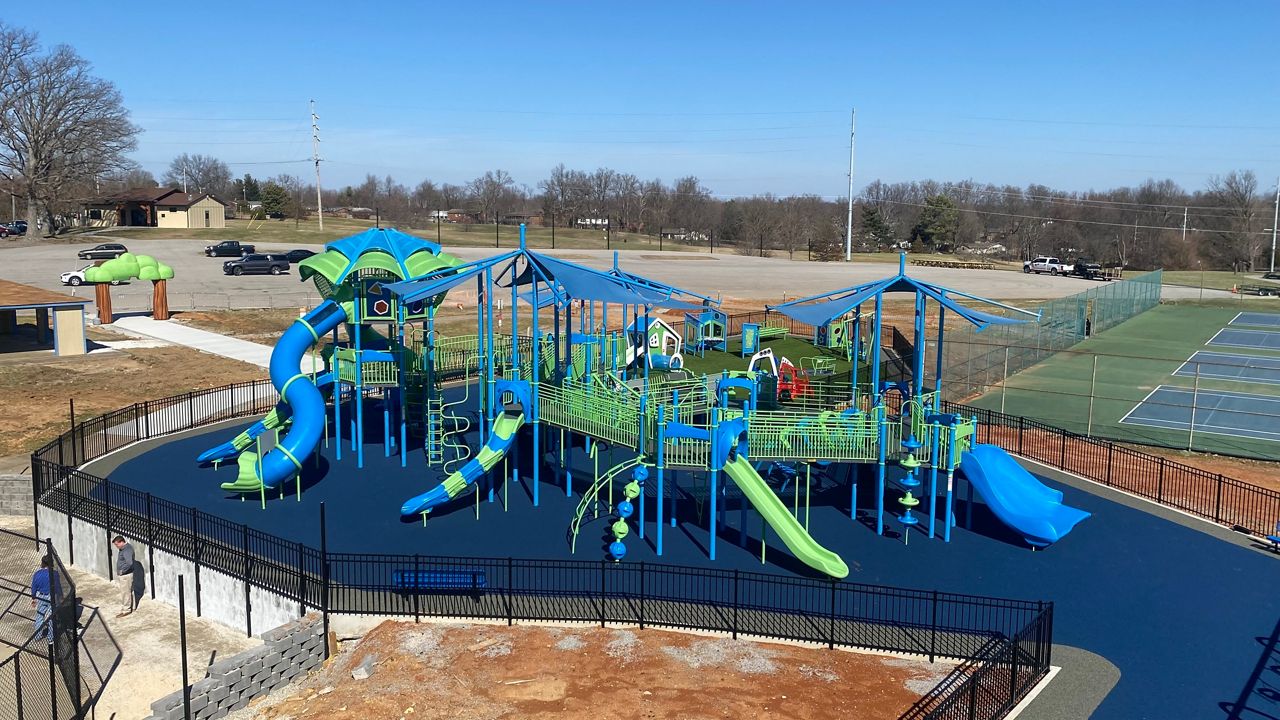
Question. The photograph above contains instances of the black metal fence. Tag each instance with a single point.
(932, 624)
(56, 659)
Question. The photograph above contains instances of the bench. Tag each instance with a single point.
(1275, 539)
(771, 331)
(473, 581)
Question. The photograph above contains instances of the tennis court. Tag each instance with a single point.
(1255, 339)
(1208, 365)
(1212, 411)
(1256, 319)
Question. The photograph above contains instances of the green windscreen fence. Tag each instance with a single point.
(977, 360)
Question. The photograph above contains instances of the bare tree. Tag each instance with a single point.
(1235, 239)
(490, 191)
(60, 126)
(198, 174)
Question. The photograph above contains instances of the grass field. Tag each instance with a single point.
(1132, 359)
(1213, 279)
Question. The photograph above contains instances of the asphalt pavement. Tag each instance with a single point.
(200, 284)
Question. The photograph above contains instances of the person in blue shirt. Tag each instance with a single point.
(45, 591)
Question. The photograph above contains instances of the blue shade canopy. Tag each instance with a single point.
(444, 280)
(821, 309)
(579, 282)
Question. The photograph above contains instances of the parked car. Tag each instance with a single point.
(256, 264)
(105, 251)
(76, 277)
(1046, 264)
(1271, 276)
(297, 256)
(228, 248)
(4, 231)
(17, 227)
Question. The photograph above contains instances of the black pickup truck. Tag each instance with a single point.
(228, 248)
(1087, 269)
(256, 265)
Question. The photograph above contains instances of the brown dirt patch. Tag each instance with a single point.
(254, 325)
(1258, 472)
(474, 672)
(36, 390)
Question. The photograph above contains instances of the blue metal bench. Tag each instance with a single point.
(1275, 539)
(439, 580)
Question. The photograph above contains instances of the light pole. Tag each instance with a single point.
(1275, 223)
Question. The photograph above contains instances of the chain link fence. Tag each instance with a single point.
(55, 655)
(976, 360)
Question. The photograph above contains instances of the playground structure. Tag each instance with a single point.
(626, 393)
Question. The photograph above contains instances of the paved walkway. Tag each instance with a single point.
(203, 340)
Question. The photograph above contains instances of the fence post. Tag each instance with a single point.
(151, 549)
(1160, 481)
(603, 565)
(146, 417)
(642, 572)
(71, 536)
(195, 556)
(1217, 505)
(508, 593)
(1022, 425)
(248, 609)
(973, 699)
(17, 681)
(106, 517)
(1013, 671)
(735, 604)
(302, 581)
(416, 585)
(191, 410)
(53, 689)
(933, 629)
(831, 619)
(1111, 451)
(182, 632)
(1062, 455)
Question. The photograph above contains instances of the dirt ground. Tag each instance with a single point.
(1257, 472)
(480, 672)
(37, 387)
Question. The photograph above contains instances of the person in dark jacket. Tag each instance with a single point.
(124, 574)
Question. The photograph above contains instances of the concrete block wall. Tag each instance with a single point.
(222, 597)
(15, 494)
(287, 653)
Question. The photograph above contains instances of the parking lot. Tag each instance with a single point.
(200, 284)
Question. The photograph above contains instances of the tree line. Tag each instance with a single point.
(65, 136)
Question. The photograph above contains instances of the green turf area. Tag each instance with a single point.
(1132, 359)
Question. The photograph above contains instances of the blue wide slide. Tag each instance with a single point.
(305, 401)
(1017, 498)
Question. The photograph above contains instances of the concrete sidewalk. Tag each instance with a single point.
(203, 340)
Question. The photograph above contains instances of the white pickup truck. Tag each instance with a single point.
(1045, 264)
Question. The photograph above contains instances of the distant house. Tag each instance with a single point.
(461, 215)
(599, 223)
(438, 215)
(986, 249)
(530, 219)
(673, 233)
(156, 207)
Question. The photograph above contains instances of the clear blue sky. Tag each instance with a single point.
(751, 97)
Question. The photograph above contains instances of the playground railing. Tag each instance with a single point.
(610, 416)
(920, 622)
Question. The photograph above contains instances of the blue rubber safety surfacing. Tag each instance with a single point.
(1177, 610)
(1216, 412)
(1210, 365)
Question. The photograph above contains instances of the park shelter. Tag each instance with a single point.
(67, 312)
(156, 207)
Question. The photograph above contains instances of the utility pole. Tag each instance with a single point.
(1184, 226)
(848, 224)
(1275, 223)
(315, 157)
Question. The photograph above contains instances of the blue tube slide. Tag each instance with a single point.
(275, 419)
(1017, 498)
(305, 401)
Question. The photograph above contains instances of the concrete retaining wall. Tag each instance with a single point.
(15, 495)
(288, 652)
(212, 594)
